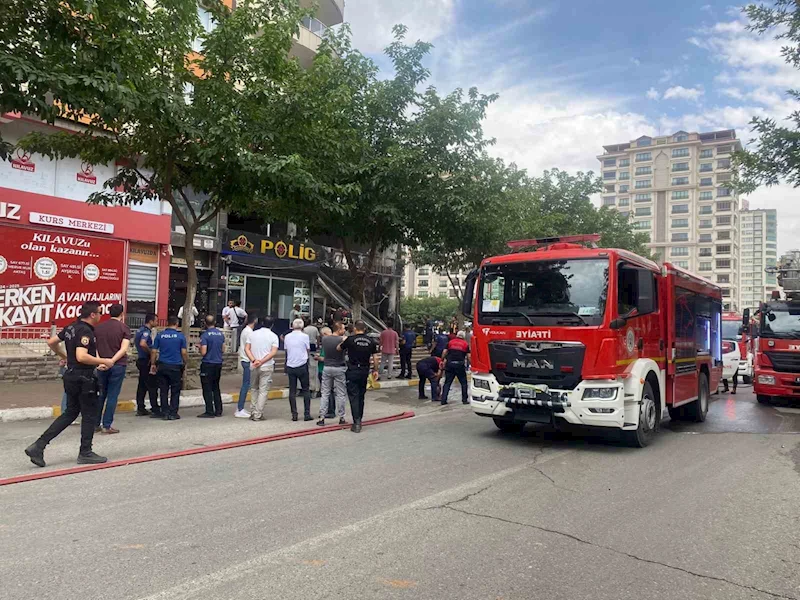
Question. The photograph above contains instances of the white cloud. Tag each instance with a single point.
(668, 75)
(635, 61)
(372, 20)
(706, 7)
(652, 94)
(682, 93)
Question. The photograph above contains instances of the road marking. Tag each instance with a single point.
(794, 411)
(199, 586)
(402, 584)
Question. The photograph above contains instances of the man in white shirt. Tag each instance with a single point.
(191, 319)
(229, 318)
(313, 337)
(244, 360)
(297, 346)
(261, 348)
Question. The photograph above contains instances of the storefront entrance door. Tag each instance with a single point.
(257, 296)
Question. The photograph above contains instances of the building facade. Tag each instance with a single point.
(759, 250)
(426, 282)
(676, 189)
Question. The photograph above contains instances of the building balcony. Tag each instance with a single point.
(307, 42)
(330, 12)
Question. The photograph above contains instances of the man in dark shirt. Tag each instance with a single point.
(334, 375)
(80, 385)
(167, 358)
(359, 347)
(407, 341)
(429, 369)
(148, 384)
(455, 357)
(212, 342)
(440, 343)
(113, 340)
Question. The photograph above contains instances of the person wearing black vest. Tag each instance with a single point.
(360, 348)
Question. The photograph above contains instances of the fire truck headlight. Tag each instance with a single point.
(766, 379)
(482, 384)
(603, 393)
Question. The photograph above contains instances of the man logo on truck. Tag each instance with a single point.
(541, 364)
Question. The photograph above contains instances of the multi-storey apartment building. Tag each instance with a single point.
(759, 250)
(424, 282)
(676, 188)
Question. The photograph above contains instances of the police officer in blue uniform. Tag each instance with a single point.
(148, 384)
(80, 385)
(212, 342)
(167, 359)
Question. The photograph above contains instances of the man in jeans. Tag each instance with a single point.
(297, 346)
(250, 326)
(389, 346)
(333, 375)
(113, 340)
(148, 384)
(167, 358)
(212, 342)
(261, 348)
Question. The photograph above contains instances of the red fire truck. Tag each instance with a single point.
(565, 332)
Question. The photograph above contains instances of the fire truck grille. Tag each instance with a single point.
(555, 364)
(785, 362)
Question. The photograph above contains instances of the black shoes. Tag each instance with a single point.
(465, 402)
(444, 402)
(36, 454)
(423, 398)
(308, 418)
(174, 417)
(321, 422)
(358, 427)
(143, 413)
(90, 458)
(294, 417)
(342, 421)
(206, 415)
(156, 414)
(219, 414)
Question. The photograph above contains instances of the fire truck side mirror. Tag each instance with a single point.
(618, 323)
(746, 317)
(469, 293)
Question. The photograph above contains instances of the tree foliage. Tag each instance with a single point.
(195, 130)
(415, 311)
(776, 155)
(392, 156)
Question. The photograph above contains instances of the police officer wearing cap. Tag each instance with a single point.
(80, 385)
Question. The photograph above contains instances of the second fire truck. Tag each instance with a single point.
(603, 338)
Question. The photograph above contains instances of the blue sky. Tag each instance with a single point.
(573, 76)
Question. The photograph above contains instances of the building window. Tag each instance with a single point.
(683, 166)
(679, 251)
(624, 162)
(609, 201)
(723, 150)
(726, 293)
(724, 177)
(724, 249)
(706, 167)
(642, 198)
(623, 188)
(680, 137)
(723, 192)
(644, 156)
(723, 278)
(642, 224)
(680, 209)
(704, 238)
(705, 266)
(610, 162)
(643, 183)
(643, 142)
(706, 209)
(682, 264)
(609, 175)
(680, 237)
(643, 211)
(724, 220)
(443, 283)
(680, 222)
(723, 206)
(422, 294)
(705, 252)
(707, 153)
(422, 283)
(684, 195)
(706, 224)
(724, 235)
(423, 271)
(610, 188)
(624, 202)
(624, 175)
(625, 213)
(706, 181)
(680, 152)
(680, 181)
(723, 263)
(644, 171)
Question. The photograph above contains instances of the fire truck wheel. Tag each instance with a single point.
(747, 380)
(648, 421)
(507, 426)
(698, 409)
(762, 399)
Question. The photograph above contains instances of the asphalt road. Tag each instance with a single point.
(441, 506)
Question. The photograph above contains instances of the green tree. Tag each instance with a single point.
(776, 155)
(390, 153)
(194, 130)
(415, 311)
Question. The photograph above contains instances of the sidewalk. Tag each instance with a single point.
(141, 436)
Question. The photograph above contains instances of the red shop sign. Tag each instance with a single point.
(46, 276)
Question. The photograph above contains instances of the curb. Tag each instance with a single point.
(188, 399)
(191, 451)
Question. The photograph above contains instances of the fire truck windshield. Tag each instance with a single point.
(564, 292)
(731, 330)
(780, 320)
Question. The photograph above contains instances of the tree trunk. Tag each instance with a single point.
(191, 285)
(357, 294)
